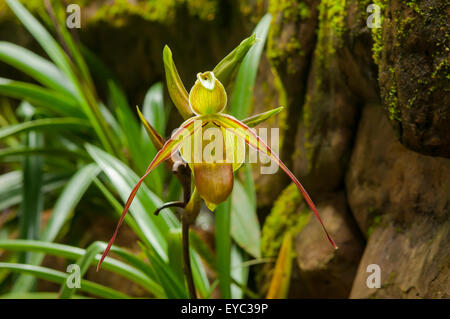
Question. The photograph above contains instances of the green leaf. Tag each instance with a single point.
(118, 207)
(163, 154)
(245, 80)
(11, 186)
(153, 108)
(203, 250)
(279, 285)
(42, 36)
(154, 117)
(43, 151)
(249, 186)
(10, 189)
(223, 248)
(33, 200)
(54, 101)
(173, 287)
(44, 124)
(239, 274)
(36, 295)
(199, 274)
(134, 274)
(83, 262)
(154, 228)
(141, 150)
(83, 91)
(35, 66)
(245, 228)
(129, 126)
(69, 198)
(175, 252)
(60, 277)
(65, 204)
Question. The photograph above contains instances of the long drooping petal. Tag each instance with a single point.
(253, 140)
(164, 153)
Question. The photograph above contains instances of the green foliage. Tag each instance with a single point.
(283, 217)
(288, 215)
(331, 29)
(77, 149)
(378, 32)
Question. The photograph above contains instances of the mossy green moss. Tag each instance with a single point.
(284, 216)
(162, 11)
(307, 122)
(442, 71)
(282, 101)
(377, 33)
(391, 98)
(375, 223)
(332, 14)
(284, 50)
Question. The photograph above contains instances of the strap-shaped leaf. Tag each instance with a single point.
(164, 153)
(279, 285)
(253, 140)
(176, 89)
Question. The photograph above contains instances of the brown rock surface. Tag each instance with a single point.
(322, 271)
(401, 201)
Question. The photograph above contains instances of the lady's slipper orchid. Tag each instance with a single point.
(203, 105)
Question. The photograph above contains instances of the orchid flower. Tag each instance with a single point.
(205, 105)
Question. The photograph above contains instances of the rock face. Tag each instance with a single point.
(401, 201)
(324, 272)
(414, 73)
(376, 101)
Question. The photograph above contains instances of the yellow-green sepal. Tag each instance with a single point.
(227, 69)
(176, 89)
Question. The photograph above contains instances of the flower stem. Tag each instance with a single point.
(186, 257)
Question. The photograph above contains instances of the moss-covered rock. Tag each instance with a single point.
(411, 50)
(289, 213)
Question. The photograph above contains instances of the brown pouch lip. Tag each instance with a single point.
(214, 181)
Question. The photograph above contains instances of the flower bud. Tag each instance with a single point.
(208, 95)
